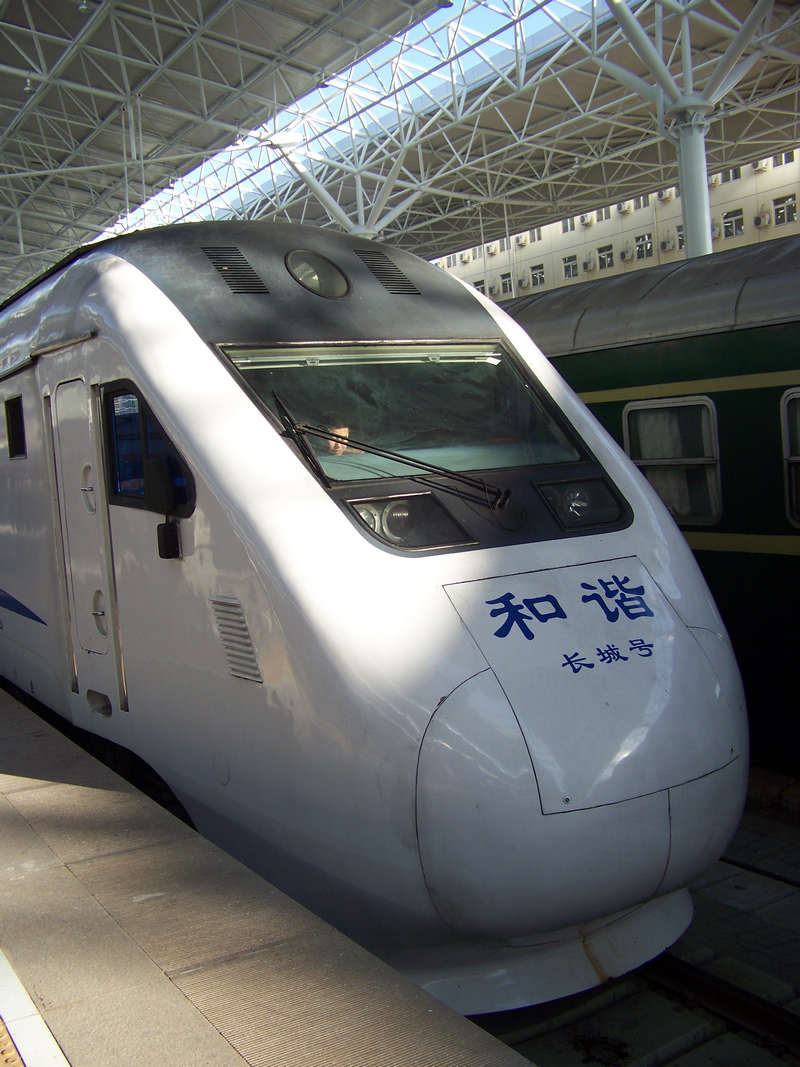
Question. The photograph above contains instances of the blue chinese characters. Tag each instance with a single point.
(515, 613)
(615, 597)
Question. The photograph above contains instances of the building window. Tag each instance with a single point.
(502, 244)
(537, 275)
(567, 225)
(790, 412)
(644, 245)
(783, 157)
(733, 223)
(603, 213)
(535, 234)
(605, 257)
(732, 174)
(785, 209)
(680, 235)
(641, 201)
(480, 285)
(15, 428)
(674, 443)
(505, 284)
(451, 260)
(570, 266)
(477, 252)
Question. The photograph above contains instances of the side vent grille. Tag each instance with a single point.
(234, 268)
(388, 274)
(235, 637)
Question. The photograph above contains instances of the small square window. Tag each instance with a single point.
(644, 245)
(733, 223)
(570, 266)
(15, 428)
(674, 443)
(605, 257)
(785, 209)
(537, 275)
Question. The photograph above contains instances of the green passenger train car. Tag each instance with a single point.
(694, 367)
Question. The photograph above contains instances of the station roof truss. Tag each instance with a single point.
(487, 118)
(105, 102)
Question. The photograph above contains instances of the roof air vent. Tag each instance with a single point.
(388, 274)
(234, 268)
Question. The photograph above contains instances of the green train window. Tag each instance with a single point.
(674, 443)
(790, 411)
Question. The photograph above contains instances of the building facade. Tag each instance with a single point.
(754, 202)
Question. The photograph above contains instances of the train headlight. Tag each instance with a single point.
(415, 521)
(580, 504)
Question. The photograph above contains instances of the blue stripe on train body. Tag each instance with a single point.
(12, 604)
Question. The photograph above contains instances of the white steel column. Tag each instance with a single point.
(686, 114)
(691, 128)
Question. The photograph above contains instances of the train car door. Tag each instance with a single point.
(86, 546)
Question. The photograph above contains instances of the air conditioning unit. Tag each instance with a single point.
(624, 207)
(589, 264)
(764, 218)
(714, 180)
(666, 194)
(716, 231)
(626, 255)
(668, 244)
(521, 239)
(492, 249)
(523, 283)
(465, 257)
(587, 220)
(761, 165)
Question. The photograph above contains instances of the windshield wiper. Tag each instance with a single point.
(296, 433)
(493, 498)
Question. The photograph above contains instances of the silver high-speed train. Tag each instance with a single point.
(317, 532)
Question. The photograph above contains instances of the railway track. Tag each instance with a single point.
(670, 1011)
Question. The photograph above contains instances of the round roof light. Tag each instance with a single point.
(317, 274)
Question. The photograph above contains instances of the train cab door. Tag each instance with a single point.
(96, 661)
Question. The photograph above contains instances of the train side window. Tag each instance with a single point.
(15, 428)
(675, 445)
(145, 469)
(790, 419)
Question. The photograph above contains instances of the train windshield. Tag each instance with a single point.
(465, 407)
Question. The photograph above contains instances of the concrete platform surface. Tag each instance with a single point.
(134, 941)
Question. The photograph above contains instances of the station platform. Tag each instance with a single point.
(128, 939)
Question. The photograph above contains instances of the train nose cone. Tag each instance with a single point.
(544, 785)
(616, 697)
(495, 865)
